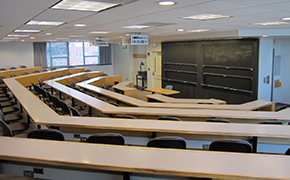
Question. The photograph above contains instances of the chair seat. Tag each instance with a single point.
(5, 99)
(7, 104)
(12, 117)
(8, 110)
(17, 127)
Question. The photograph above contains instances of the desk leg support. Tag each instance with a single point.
(73, 102)
(59, 95)
(154, 134)
(51, 89)
(90, 111)
(21, 108)
(126, 176)
(255, 144)
(28, 119)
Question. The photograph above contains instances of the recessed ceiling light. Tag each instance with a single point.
(136, 26)
(44, 23)
(99, 32)
(32, 37)
(265, 36)
(27, 30)
(275, 23)
(204, 17)
(10, 38)
(180, 30)
(286, 19)
(83, 5)
(199, 30)
(166, 3)
(48, 34)
(61, 38)
(6, 40)
(18, 35)
(22, 40)
(76, 36)
(80, 25)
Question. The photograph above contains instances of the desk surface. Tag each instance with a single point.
(170, 162)
(162, 91)
(18, 72)
(250, 106)
(167, 99)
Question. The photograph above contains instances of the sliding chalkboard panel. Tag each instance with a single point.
(222, 69)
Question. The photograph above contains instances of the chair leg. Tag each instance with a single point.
(126, 176)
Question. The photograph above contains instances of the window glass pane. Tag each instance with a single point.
(75, 53)
(59, 61)
(91, 50)
(58, 49)
(48, 64)
(91, 60)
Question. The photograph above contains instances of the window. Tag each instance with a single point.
(60, 54)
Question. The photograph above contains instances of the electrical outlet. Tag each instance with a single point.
(28, 173)
(38, 170)
(77, 135)
(205, 146)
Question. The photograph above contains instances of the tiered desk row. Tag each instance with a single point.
(152, 161)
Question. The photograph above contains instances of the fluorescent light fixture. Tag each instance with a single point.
(83, 5)
(136, 26)
(11, 38)
(76, 36)
(6, 40)
(99, 32)
(32, 37)
(286, 19)
(22, 40)
(27, 30)
(166, 3)
(61, 38)
(48, 34)
(275, 23)
(180, 30)
(204, 17)
(80, 25)
(17, 35)
(199, 30)
(45, 23)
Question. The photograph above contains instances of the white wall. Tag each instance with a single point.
(108, 69)
(265, 68)
(16, 54)
(282, 48)
(153, 81)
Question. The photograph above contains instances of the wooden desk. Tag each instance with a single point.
(167, 99)
(109, 80)
(41, 114)
(127, 88)
(65, 79)
(152, 161)
(27, 79)
(250, 106)
(162, 91)
(18, 72)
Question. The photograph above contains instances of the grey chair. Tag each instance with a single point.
(287, 151)
(125, 116)
(74, 112)
(3, 69)
(107, 138)
(104, 74)
(25, 73)
(64, 108)
(271, 122)
(48, 134)
(68, 73)
(86, 77)
(23, 66)
(60, 75)
(36, 71)
(15, 127)
(11, 68)
(218, 120)
(5, 129)
(12, 75)
(88, 70)
(170, 118)
(167, 142)
(51, 77)
(231, 145)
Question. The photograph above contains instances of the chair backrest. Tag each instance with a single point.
(68, 73)
(231, 145)
(40, 80)
(167, 142)
(86, 77)
(36, 71)
(79, 80)
(105, 86)
(65, 108)
(12, 75)
(107, 138)
(51, 77)
(75, 112)
(125, 116)
(287, 151)
(49, 134)
(169, 87)
(171, 118)
(1, 79)
(25, 73)
(3, 69)
(4, 128)
(43, 93)
(56, 102)
(271, 122)
(13, 68)
(60, 75)
(204, 103)
(88, 70)
(36, 88)
(104, 74)
(114, 104)
(53, 68)
(72, 83)
(116, 82)
(23, 66)
(218, 120)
